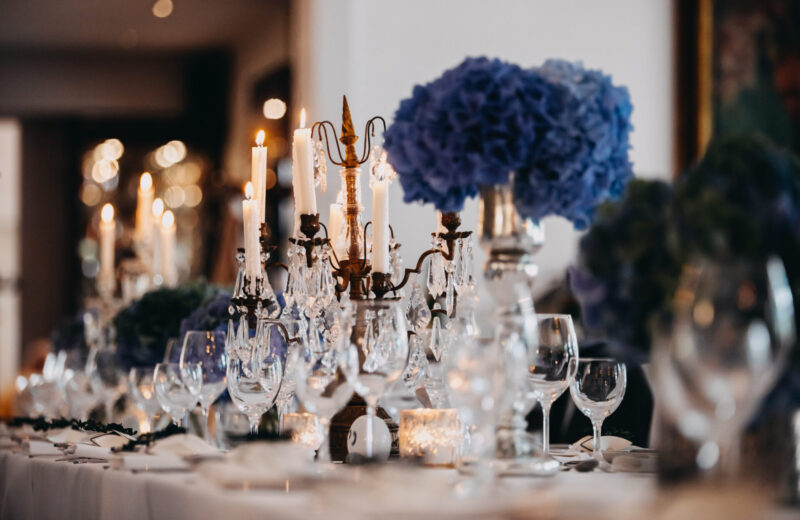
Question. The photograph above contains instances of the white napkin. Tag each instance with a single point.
(4, 430)
(65, 435)
(137, 462)
(6, 443)
(79, 451)
(34, 448)
(107, 440)
(182, 445)
(607, 443)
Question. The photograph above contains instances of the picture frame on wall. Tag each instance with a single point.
(738, 72)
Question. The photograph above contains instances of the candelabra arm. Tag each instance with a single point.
(283, 329)
(376, 287)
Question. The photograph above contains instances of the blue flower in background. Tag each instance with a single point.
(470, 127)
(211, 315)
(580, 158)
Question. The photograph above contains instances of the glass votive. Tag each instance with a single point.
(305, 429)
(433, 436)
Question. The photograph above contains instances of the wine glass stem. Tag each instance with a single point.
(204, 410)
(281, 413)
(254, 420)
(545, 429)
(597, 434)
(369, 438)
(324, 453)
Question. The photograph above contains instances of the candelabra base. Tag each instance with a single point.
(342, 421)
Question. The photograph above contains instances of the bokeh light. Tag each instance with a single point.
(274, 108)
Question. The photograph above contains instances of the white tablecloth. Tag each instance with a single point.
(40, 488)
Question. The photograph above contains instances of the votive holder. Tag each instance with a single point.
(305, 429)
(432, 436)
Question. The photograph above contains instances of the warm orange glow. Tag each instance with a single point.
(303, 118)
(168, 219)
(158, 208)
(107, 214)
(249, 191)
(260, 136)
(146, 181)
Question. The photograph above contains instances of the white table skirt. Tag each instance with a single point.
(42, 489)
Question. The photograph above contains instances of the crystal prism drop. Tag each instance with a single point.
(436, 275)
(418, 315)
(449, 293)
(436, 340)
(230, 340)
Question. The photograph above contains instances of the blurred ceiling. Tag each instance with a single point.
(130, 24)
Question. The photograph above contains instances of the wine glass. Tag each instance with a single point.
(172, 353)
(383, 354)
(282, 337)
(253, 387)
(597, 390)
(106, 377)
(722, 350)
(324, 380)
(76, 386)
(553, 366)
(172, 393)
(143, 391)
(204, 364)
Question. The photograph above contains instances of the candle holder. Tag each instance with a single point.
(353, 276)
(434, 437)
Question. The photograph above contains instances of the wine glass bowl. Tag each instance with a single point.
(204, 363)
(142, 389)
(172, 393)
(253, 387)
(722, 349)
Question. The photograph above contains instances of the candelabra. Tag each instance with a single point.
(352, 276)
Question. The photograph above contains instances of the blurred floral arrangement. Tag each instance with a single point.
(70, 334)
(580, 157)
(741, 200)
(562, 129)
(144, 327)
(626, 270)
(212, 314)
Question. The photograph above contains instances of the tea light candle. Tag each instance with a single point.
(433, 435)
(305, 429)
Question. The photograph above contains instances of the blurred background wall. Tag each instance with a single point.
(74, 73)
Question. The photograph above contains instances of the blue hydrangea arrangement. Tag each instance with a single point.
(563, 129)
(580, 158)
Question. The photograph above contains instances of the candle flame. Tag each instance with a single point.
(260, 136)
(107, 214)
(146, 181)
(303, 118)
(168, 219)
(158, 208)
(248, 190)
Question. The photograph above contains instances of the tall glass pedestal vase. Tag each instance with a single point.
(510, 272)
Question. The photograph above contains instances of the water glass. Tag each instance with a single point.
(204, 364)
(597, 390)
(172, 393)
(253, 387)
(143, 391)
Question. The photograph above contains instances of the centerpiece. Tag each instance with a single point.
(551, 140)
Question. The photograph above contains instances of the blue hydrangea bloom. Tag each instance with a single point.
(470, 127)
(581, 158)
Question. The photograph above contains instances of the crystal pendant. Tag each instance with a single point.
(230, 340)
(449, 292)
(320, 167)
(418, 314)
(414, 373)
(436, 274)
(436, 340)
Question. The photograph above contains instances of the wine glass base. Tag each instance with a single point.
(518, 467)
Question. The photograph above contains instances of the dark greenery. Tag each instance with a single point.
(144, 327)
(42, 424)
(146, 439)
